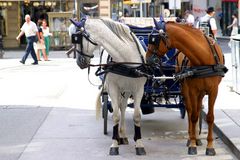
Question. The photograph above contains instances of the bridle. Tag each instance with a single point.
(77, 38)
(159, 34)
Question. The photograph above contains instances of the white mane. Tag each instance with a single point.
(121, 30)
(116, 38)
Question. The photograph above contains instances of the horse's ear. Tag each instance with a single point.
(161, 19)
(159, 25)
(83, 18)
(156, 24)
(82, 15)
(79, 24)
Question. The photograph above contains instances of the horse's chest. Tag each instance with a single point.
(202, 84)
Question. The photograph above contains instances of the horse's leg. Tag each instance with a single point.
(137, 119)
(199, 107)
(192, 149)
(210, 119)
(114, 95)
(187, 101)
(198, 140)
(122, 130)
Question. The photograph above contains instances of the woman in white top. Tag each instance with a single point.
(46, 35)
(234, 25)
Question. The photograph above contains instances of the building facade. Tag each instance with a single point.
(59, 11)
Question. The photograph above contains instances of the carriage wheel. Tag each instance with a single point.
(105, 112)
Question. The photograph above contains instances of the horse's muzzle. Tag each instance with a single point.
(83, 62)
(153, 59)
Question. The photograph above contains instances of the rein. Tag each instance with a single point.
(207, 70)
(213, 49)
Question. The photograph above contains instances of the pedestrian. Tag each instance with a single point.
(40, 46)
(71, 30)
(189, 18)
(234, 25)
(30, 30)
(220, 18)
(210, 22)
(46, 35)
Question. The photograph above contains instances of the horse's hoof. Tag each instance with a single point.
(140, 151)
(192, 150)
(123, 141)
(198, 142)
(114, 151)
(210, 152)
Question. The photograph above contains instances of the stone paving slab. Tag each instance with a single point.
(75, 134)
(228, 130)
(18, 126)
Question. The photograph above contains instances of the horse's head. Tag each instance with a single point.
(86, 45)
(158, 43)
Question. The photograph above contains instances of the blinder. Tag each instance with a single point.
(77, 38)
(158, 34)
(154, 39)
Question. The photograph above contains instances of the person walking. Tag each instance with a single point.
(189, 18)
(210, 21)
(46, 35)
(30, 30)
(234, 31)
(40, 46)
(72, 29)
(234, 25)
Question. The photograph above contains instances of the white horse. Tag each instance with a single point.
(122, 46)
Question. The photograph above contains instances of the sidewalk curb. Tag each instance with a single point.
(223, 136)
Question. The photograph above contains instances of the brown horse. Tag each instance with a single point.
(202, 52)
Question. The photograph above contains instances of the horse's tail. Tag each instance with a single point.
(98, 105)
